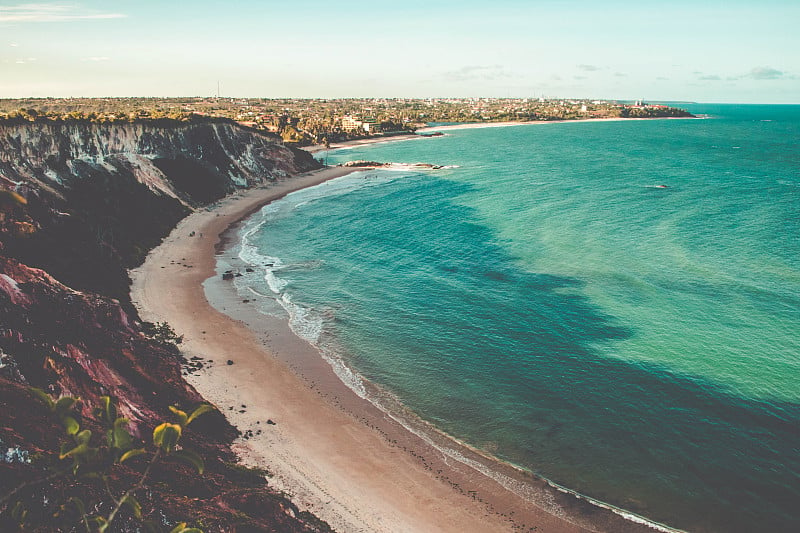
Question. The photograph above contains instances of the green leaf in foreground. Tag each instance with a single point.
(181, 415)
(192, 458)
(77, 450)
(64, 405)
(166, 436)
(201, 410)
(43, 397)
(71, 425)
(132, 453)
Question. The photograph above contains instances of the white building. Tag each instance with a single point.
(351, 123)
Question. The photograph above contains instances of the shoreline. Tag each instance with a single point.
(336, 454)
(469, 126)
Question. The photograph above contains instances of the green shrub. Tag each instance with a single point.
(88, 458)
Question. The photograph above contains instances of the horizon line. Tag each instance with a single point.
(118, 97)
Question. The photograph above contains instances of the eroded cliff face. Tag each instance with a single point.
(78, 204)
(79, 344)
(58, 155)
(99, 196)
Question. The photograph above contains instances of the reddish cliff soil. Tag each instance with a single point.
(86, 343)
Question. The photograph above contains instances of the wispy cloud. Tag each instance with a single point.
(764, 73)
(95, 58)
(24, 60)
(589, 68)
(709, 77)
(477, 72)
(50, 13)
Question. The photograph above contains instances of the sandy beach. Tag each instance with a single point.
(463, 126)
(357, 142)
(333, 452)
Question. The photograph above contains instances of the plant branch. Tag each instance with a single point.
(133, 489)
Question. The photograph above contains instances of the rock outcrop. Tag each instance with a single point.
(79, 204)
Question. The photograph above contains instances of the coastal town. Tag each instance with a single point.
(313, 121)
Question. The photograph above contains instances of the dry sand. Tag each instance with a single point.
(357, 142)
(334, 453)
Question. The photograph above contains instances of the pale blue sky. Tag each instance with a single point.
(707, 51)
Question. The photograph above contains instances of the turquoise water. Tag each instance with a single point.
(547, 301)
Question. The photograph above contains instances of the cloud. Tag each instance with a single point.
(13, 45)
(709, 77)
(620, 74)
(95, 58)
(578, 77)
(764, 73)
(24, 60)
(589, 68)
(50, 13)
(477, 72)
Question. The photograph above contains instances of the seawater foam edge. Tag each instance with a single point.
(302, 321)
(310, 328)
(520, 488)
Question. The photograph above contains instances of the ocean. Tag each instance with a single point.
(613, 306)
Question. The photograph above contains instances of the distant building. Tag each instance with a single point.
(371, 127)
(351, 123)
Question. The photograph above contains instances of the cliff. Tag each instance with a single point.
(79, 203)
(101, 195)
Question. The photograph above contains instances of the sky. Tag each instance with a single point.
(727, 51)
